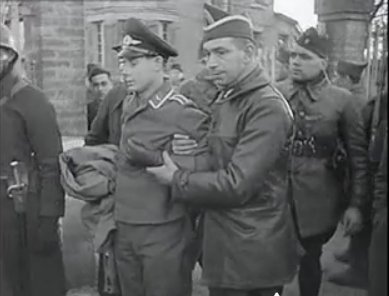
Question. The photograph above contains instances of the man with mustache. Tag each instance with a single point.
(330, 138)
(249, 245)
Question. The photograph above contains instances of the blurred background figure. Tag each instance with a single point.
(100, 83)
(349, 76)
(176, 75)
(282, 65)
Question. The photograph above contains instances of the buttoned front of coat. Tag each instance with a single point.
(326, 118)
(249, 239)
(148, 127)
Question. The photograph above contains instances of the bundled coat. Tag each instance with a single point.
(88, 174)
(249, 239)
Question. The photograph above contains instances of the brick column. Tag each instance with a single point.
(54, 44)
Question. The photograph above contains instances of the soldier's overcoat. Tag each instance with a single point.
(29, 133)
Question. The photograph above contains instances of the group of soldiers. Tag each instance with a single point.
(260, 174)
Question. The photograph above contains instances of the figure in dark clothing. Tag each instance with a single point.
(30, 253)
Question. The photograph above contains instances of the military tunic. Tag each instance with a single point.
(327, 118)
(153, 232)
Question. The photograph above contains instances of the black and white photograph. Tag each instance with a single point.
(193, 147)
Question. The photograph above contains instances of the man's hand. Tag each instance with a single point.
(352, 221)
(164, 173)
(183, 145)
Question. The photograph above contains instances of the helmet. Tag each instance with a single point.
(7, 40)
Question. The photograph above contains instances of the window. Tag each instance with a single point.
(100, 43)
(165, 31)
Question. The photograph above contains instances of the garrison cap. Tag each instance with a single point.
(351, 68)
(95, 70)
(139, 41)
(312, 41)
(213, 14)
(176, 66)
(235, 26)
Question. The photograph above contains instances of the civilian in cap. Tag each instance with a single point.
(249, 246)
(349, 74)
(153, 232)
(329, 141)
(100, 84)
(176, 75)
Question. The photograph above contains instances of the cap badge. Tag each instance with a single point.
(306, 41)
(128, 41)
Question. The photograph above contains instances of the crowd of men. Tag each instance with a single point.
(247, 178)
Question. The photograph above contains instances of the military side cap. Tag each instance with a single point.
(96, 70)
(235, 26)
(351, 68)
(213, 14)
(139, 41)
(314, 42)
(176, 67)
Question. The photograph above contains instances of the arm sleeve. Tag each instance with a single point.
(353, 132)
(45, 139)
(265, 133)
(98, 133)
(381, 179)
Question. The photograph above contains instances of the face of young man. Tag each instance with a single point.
(304, 64)
(101, 84)
(225, 60)
(140, 73)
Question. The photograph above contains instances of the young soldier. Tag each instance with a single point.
(326, 118)
(153, 233)
(30, 255)
(249, 243)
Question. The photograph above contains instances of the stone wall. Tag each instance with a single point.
(54, 45)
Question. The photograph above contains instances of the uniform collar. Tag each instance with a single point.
(253, 80)
(161, 95)
(313, 87)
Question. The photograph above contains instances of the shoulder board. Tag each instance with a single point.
(157, 101)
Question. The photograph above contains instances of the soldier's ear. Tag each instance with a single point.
(160, 63)
(324, 64)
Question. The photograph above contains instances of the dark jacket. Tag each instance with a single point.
(249, 239)
(148, 129)
(106, 127)
(328, 121)
(29, 133)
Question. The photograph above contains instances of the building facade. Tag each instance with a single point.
(59, 38)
